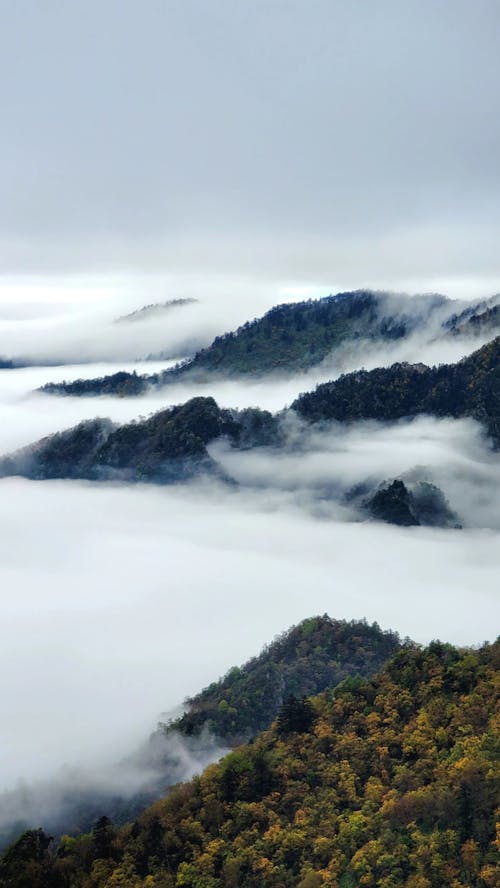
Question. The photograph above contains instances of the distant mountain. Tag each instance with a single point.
(170, 446)
(173, 445)
(154, 310)
(387, 781)
(477, 318)
(470, 388)
(289, 338)
(420, 504)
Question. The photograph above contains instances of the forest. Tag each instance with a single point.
(386, 781)
(470, 387)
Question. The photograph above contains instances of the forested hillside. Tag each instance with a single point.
(288, 338)
(390, 781)
(469, 388)
(169, 446)
(172, 444)
(316, 654)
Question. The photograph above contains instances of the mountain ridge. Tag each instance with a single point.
(293, 337)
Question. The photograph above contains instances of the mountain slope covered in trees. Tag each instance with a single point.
(172, 444)
(292, 338)
(316, 654)
(469, 388)
(169, 446)
(390, 781)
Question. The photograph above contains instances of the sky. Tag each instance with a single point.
(331, 143)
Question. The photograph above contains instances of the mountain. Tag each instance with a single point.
(289, 338)
(316, 654)
(421, 504)
(479, 317)
(172, 444)
(470, 388)
(154, 310)
(391, 781)
(168, 447)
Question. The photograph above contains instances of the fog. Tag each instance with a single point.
(320, 468)
(59, 333)
(110, 592)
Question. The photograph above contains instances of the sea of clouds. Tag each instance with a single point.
(121, 600)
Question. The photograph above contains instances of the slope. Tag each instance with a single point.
(469, 388)
(316, 654)
(391, 781)
(288, 338)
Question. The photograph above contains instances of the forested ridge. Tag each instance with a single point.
(169, 446)
(154, 309)
(388, 781)
(470, 387)
(317, 654)
(172, 444)
(292, 337)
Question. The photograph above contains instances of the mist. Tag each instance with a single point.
(111, 591)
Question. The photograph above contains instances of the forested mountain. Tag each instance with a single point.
(316, 654)
(291, 338)
(170, 446)
(469, 388)
(154, 310)
(390, 781)
(423, 504)
(476, 318)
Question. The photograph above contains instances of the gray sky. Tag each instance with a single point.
(312, 139)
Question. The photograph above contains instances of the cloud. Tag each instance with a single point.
(112, 590)
(72, 798)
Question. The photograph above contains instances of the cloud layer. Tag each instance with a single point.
(307, 140)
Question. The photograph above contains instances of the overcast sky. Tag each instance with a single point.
(319, 140)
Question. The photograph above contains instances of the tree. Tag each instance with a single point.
(295, 716)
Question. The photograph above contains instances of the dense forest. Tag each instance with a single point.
(289, 338)
(390, 781)
(476, 318)
(469, 388)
